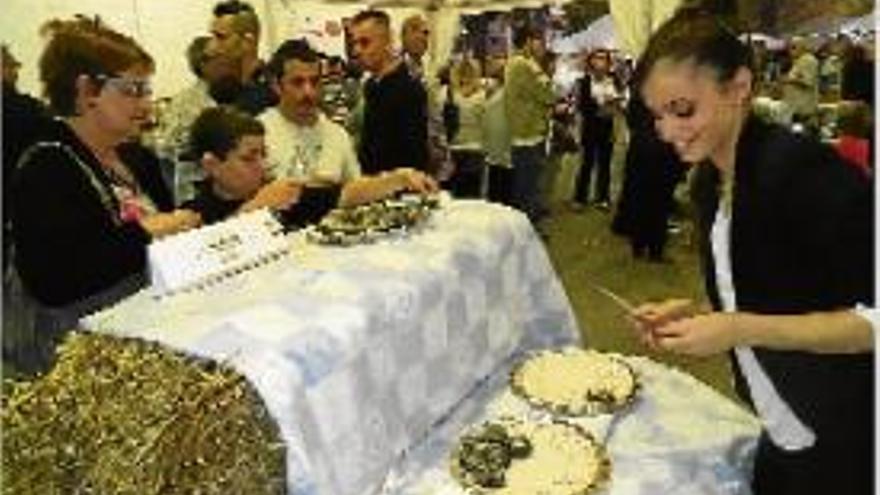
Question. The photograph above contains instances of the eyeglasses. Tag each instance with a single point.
(134, 88)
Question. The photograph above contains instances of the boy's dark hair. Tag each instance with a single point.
(218, 130)
(695, 34)
(245, 21)
(298, 49)
(374, 15)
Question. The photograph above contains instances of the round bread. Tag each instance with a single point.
(563, 459)
(575, 382)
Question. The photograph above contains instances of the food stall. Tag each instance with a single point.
(373, 358)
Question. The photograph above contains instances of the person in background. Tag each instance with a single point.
(337, 99)
(467, 145)
(414, 37)
(303, 143)
(86, 201)
(800, 85)
(857, 73)
(786, 242)
(650, 175)
(235, 39)
(528, 99)
(171, 135)
(830, 66)
(232, 150)
(496, 135)
(599, 97)
(395, 121)
(184, 106)
(24, 118)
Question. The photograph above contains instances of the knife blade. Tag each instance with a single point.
(619, 300)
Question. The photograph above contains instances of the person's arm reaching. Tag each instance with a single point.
(679, 328)
(370, 188)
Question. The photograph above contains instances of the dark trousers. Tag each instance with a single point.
(500, 184)
(467, 179)
(597, 144)
(837, 467)
(528, 161)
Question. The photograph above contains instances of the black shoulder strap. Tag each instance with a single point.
(106, 200)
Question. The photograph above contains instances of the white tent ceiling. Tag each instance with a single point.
(165, 27)
(600, 34)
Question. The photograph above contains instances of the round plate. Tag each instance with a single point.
(560, 452)
(582, 401)
(347, 226)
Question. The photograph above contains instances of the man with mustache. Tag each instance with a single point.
(303, 144)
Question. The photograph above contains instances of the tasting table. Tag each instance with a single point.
(359, 352)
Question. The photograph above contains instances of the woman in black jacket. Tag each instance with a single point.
(86, 200)
(786, 235)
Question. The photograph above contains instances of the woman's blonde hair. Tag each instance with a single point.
(466, 73)
(83, 46)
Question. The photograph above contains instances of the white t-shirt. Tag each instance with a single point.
(322, 152)
(782, 425)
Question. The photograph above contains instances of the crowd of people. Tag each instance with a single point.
(785, 222)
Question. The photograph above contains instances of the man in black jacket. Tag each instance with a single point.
(395, 126)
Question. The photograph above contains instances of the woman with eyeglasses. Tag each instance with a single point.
(786, 237)
(86, 199)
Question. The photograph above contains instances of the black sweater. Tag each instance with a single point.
(68, 244)
(313, 204)
(395, 127)
(801, 240)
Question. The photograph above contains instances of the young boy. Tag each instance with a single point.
(231, 148)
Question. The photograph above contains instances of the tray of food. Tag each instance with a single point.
(575, 382)
(517, 457)
(368, 222)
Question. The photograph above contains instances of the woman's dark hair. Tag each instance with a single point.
(218, 130)
(84, 46)
(697, 35)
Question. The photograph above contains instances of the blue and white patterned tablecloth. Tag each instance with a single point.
(679, 437)
(358, 351)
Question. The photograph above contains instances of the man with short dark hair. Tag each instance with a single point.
(395, 124)
(235, 37)
(303, 143)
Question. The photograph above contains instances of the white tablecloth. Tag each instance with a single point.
(680, 437)
(358, 351)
